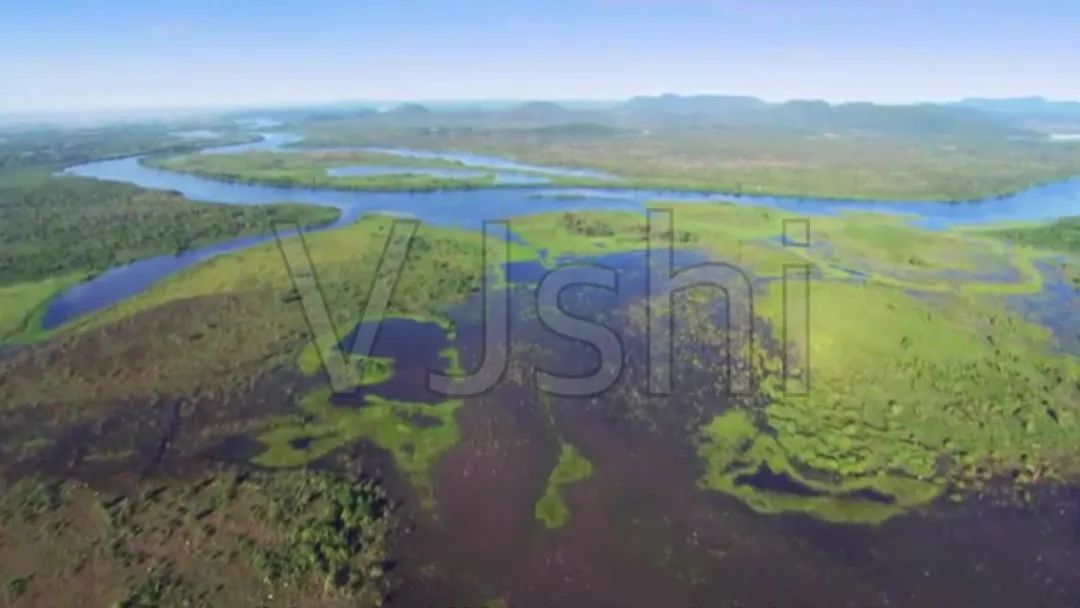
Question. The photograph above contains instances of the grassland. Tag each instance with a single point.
(750, 160)
(23, 304)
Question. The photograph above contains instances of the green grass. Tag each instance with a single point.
(572, 467)
(735, 234)
(23, 304)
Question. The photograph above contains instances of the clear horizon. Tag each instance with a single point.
(64, 56)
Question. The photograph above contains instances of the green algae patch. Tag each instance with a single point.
(551, 509)
(373, 370)
(415, 434)
(744, 462)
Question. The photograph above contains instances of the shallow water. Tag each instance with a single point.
(415, 346)
(1057, 307)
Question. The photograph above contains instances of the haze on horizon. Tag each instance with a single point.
(66, 55)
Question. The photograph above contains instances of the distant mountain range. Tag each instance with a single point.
(1024, 106)
(817, 115)
(969, 117)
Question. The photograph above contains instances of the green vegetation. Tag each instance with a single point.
(1062, 235)
(735, 452)
(54, 226)
(336, 531)
(960, 392)
(854, 246)
(927, 383)
(310, 170)
(416, 434)
(224, 538)
(923, 382)
(55, 231)
(551, 509)
(23, 304)
(736, 234)
(213, 333)
(750, 159)
(56, 148)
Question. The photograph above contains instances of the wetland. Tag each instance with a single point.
(180, 400)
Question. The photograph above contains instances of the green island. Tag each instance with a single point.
(311, 170)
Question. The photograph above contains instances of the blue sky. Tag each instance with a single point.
(91, 54)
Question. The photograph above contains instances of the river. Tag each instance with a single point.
(468, 208)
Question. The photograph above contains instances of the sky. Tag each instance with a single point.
(97, 55)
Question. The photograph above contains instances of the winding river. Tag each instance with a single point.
(468, 208)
